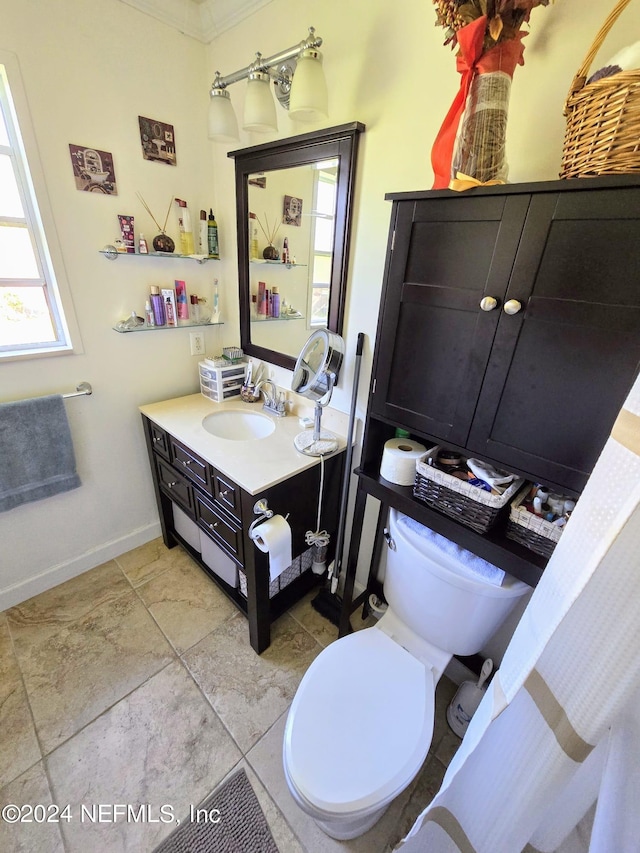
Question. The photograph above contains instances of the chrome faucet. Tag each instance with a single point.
(272, 402)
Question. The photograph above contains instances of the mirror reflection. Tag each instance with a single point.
(291, 228)
(294, 200)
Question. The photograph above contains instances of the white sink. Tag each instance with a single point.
(239, 426)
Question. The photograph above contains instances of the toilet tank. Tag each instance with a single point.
(443, 593)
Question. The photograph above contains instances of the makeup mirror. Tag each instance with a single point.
(299, 190)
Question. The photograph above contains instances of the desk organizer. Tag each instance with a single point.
(298, 567)
(221, 383)
(458, 499)
(531, 530)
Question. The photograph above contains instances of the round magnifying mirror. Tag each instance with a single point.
(315, 374)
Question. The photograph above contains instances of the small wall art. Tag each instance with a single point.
(93, 170)
(292, 213)
(158, 141)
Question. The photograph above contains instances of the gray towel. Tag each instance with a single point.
(36, 452)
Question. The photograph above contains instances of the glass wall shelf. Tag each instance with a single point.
(286, 317)
(182, 325)
(275, 264)
(111, 253)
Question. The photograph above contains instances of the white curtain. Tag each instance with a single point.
(551, 759)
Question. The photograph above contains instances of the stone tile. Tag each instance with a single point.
(151, 559)
(186, 604)
(266, 759)
(32, 788)
(19, 747)
(319, 626)
(81, 670)
(160, 745)
(250, 691)
(45, 614)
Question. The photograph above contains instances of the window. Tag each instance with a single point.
(322, 242)
(31, 316)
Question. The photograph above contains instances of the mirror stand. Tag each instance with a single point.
(314, 376)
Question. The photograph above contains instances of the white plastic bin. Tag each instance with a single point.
(216, 559)
(186, 528)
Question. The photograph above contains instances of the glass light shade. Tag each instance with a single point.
(259, 106)
(309, 99)
(223, 125)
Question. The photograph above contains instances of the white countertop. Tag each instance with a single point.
(254, 465)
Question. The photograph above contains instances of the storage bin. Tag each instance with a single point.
(298, 566)
(535, 533)
(221, 383)
(458, 499)
(215, 558)
(186, 528)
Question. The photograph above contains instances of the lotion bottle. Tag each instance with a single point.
(143, 248)
(215, 314)
(186, 231)
(157, 306)
(212, 234)
(204, 235)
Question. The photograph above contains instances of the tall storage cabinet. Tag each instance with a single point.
(509, 328)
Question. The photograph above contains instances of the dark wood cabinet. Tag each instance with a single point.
(221, 510)
(534, 388)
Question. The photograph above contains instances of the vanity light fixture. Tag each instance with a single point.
(299, 85)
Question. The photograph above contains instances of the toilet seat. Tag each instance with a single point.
(360, 725)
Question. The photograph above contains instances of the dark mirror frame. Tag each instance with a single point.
(340, 142)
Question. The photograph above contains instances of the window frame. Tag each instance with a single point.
(38, 219)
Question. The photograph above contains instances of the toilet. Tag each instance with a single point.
(361, 722)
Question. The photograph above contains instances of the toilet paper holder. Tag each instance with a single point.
(261, 509)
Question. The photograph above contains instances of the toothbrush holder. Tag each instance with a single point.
(249, 393)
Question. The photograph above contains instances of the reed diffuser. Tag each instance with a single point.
(161, 242)
(269, 253)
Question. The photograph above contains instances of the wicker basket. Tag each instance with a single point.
(603, 118)
(458, 499)
(530, 530)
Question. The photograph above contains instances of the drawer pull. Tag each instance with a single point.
(225, 493)
(186, 462)
(171, 485)
(214, 525)
(156, 439)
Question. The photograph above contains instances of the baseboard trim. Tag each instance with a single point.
(65, 571)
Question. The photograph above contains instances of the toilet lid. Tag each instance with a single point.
(360, 724)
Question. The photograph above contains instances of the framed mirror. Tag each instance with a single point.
(294, 200)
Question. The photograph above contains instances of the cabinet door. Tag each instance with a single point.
(434, 340)
(562, 366)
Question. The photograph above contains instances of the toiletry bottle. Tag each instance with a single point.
(275, 302)
(253, 237)
(148, 313)
(143, 248)
(215, 315)
(254, 306)
(171, 320)
(212, 234)
(195, 309)
(186, 232)
(261, 305)
(157, 306)
(285, 251)
(204, 237)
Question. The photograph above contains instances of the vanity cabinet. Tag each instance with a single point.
(222, 511)
(509, 329)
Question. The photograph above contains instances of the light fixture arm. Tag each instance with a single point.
(273, 65)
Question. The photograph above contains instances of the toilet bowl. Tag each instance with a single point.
(361, 722)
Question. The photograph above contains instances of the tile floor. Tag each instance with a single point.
(135, 683)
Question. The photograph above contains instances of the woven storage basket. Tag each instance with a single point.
(603, 118)
(530, 530)
(468, 504)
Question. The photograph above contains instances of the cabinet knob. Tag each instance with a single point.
(171, 485)
(186, 462)
(214, 525)
(512, 306)
(224, 494)
(488, 303)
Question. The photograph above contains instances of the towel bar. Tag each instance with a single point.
(81, 389)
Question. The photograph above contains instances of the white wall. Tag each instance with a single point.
(90, 67)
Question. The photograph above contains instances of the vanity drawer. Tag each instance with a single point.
(175, 485)
(221, 528)
(227, 494)
(191, 465)
(159, 440)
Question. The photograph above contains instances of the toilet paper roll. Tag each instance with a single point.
(399, 459)
(273, 537)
